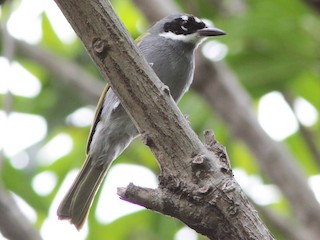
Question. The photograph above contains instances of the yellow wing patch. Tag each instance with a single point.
(100, 105)
(138, 40)
(97, 116)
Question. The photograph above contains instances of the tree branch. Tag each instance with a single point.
(13, 224)
(288, 227)
(226, 97)
(189, 172)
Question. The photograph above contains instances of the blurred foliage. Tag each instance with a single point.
(273, 45)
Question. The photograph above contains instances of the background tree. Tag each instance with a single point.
(272, 51)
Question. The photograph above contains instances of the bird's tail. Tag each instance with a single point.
(76, 204)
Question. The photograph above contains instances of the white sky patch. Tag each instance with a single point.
(1, 236)
(110, 207)
(197, 20)
(25, 208)
(20, 160)
(82, 117)
(5, 75)
(23, 82)
(59, 23)
(305, 111)
(314, 183)
(25, 22)
(276, 117)
(214, 50)
(186, 233)
(56, 148)
(185, 38)
(185, 17)
(262, 194)
(53, 228)
(18, 80)
(20, 131)
(3, 129)
(43, 183)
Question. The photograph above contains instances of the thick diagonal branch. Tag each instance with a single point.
(220, 87)
(164, 128)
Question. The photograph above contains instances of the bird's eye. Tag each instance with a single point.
(183, 25)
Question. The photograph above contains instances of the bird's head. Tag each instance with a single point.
(184, 27)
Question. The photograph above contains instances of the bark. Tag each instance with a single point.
(274, 159)
(13, 224)
(196, 185)
(221, 89)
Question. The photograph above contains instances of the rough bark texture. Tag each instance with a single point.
(196, 186)
(220, 87)
(13, 224)
(273, 157)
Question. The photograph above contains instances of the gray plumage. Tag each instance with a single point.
(112, 131)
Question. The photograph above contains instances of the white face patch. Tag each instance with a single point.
(190, 38)
(197, 20)
(184, 18)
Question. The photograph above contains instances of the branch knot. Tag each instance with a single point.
(219, 150)
(100, 47)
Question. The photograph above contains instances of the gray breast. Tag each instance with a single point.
(171, 60)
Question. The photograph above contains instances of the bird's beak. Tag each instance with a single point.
(210, 32)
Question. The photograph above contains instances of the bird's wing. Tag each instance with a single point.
(100, 104)
(97, 116)
(139, 39)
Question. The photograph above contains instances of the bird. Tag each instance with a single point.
(168, 46)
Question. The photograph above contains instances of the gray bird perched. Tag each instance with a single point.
(169, 47)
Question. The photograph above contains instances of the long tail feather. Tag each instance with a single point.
(76, 204)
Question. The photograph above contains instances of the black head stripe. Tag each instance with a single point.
(183, 26)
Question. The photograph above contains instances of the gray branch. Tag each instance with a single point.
(233, 104)
(13, 224)
(190, 172)
(288, 227)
